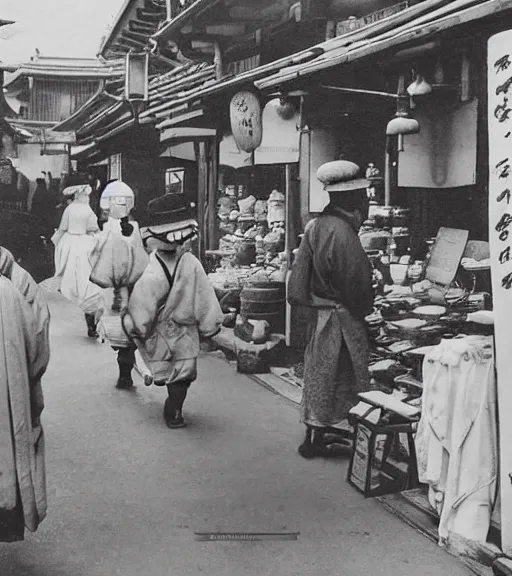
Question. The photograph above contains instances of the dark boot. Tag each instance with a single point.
(174, 404)
(91, 326)
(306, 448)
(315, 445)
(126, 362)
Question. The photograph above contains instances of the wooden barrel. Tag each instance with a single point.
(265, 302)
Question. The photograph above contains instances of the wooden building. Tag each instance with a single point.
(42, 93)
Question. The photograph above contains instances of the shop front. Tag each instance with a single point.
(257, 175)
(422, 120)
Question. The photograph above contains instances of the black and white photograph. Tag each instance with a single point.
(255, 287)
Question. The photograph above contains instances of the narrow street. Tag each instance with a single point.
(126, 494)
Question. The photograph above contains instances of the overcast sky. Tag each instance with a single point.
(71, 28)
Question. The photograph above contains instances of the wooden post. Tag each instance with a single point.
(202, 192)
(219, 68)
(305, 165)
(290, 241)
(387, 174)
(212, 193)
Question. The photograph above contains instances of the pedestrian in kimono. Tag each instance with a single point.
(333, 276)
(75, 240)
(24, 357)
(172, 305)
(117, 202)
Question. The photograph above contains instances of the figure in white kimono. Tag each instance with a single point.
(24, 356)
(117, 265)
(74, 242)
(172, 305)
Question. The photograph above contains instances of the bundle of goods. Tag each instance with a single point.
(118, 265)
(276, 208)
(254, 232)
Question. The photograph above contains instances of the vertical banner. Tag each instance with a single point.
(115, 167)
(499, 71)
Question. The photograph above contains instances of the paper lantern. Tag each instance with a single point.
(245, 116)
(402, 125)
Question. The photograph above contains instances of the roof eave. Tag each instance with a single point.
(181, 19)
(118, 23)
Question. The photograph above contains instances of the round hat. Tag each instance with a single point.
(169, 209)
(341, 176)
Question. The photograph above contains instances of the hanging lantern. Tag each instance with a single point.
(420, 87)
(285, 109)
(402, 124)
(137, 80)
(245, 117)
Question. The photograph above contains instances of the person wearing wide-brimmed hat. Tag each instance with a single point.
(333, 275)
(173, 304)
(74, 241)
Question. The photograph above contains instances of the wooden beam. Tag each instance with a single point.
(151, 17)
(150, 7)
(118, 49)
(224, 29)
(140, 26)
(123, 41)
(179, 119)
(187, 134)
(136, 37)
(52, 137)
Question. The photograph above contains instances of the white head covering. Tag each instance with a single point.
(118, 198)
(84, 190)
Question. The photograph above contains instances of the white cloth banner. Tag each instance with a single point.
(499, 66)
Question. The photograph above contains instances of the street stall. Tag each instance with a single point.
(252, 211)
(427, 434)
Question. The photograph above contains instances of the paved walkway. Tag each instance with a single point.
(126, 494)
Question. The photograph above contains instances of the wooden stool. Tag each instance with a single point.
(372, 471)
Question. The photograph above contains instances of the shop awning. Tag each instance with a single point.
(352, 47)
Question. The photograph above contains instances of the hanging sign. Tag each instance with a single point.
(245, 116)
(281, 138)
(499, 72)
(115, 167)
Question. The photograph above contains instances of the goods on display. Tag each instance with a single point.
(252, 244)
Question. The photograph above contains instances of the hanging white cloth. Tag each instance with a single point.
(456, 441)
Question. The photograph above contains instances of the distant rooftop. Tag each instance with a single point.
(45, 66)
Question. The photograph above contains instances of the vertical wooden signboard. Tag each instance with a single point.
(499, 70)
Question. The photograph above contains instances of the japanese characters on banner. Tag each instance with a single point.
(499, 68)
(245, 116)
(500, 168)
(115, 167)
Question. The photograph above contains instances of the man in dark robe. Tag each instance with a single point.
(333, 275)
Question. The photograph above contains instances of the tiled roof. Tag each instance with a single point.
(67, 68)
(107, 111)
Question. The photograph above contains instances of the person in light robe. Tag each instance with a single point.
(333, 276)
(116, 203)
(24, 357)
(74, 241)
(172, 305)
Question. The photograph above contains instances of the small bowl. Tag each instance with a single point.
(398, 273)
(430, 312)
